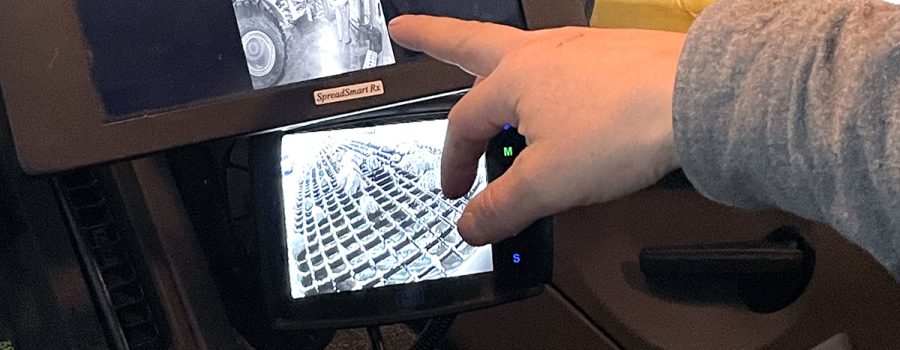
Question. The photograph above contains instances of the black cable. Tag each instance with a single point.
(435, 331)
(375, 337)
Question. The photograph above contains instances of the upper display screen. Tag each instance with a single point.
(150, 55)
(304, 40)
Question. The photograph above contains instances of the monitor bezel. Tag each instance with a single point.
(509, 281)
(59, 123)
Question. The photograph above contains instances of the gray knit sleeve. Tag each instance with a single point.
(795, 104)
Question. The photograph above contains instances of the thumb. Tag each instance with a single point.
(509, 204)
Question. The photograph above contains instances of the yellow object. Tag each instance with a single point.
(668, 15)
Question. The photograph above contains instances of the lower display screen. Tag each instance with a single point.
(363, 209)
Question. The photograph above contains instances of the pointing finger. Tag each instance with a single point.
(476, 47)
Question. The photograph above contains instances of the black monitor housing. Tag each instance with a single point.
(412, 222)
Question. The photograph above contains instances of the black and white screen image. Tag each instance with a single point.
(288, 41)
(363, 209)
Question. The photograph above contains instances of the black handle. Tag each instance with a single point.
(767, 275)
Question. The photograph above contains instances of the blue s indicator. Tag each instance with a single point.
(516, 258)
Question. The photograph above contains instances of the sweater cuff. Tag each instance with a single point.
(706, 88)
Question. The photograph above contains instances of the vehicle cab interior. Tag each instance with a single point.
(265, 174)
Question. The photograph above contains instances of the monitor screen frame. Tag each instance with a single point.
(59, 123)
(522, 264)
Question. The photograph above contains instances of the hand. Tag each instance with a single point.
(594, 105)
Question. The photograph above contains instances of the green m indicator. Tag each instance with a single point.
(507, 151)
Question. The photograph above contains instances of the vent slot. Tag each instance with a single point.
(109, 263)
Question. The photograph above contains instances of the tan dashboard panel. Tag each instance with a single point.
(596, 266)
(543, 322)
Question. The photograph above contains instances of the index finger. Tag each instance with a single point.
(476, 47)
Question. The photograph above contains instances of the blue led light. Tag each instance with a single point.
(506, 127)
(517, 258)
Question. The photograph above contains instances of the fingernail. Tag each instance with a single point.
(397, 20)
(466, 228)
